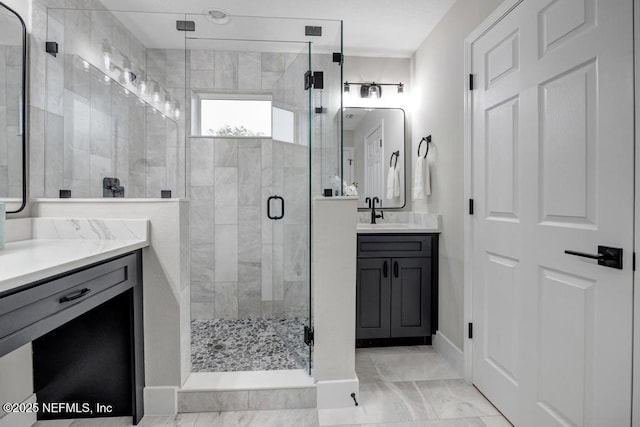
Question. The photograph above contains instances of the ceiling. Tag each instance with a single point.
(383, 28)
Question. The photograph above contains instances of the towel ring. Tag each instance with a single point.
(426, 139)
(395, 154)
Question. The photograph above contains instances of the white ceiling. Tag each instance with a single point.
(386, 28)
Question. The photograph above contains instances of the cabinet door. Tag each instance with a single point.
(373, 294)
(410, 297)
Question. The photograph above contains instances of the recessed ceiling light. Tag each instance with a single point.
(217, 16)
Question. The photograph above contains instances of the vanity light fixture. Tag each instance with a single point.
(372, 89)
(375, 91)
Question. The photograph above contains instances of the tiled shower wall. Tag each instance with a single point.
(243, 264)
(240, 264)
(10, 140)
(84, 127)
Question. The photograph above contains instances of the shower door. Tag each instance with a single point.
(288, 207)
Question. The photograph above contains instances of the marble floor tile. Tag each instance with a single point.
(365, 369)
(456, 422)
(496, 421)
(382, 402)
(455, 399)
(277, 418)
(413, 366)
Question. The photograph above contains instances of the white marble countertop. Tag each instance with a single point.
(394, 228)
(56, 246)
(400, 222)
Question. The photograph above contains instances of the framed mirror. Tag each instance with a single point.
(374, 154)
(13, 53)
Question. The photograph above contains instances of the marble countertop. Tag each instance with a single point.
(55, 246)
(394, 228)
(400, 222)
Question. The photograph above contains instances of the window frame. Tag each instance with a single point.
(199, 96)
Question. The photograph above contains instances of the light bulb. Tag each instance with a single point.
(156, 93)
(177, 113)
(143, 87)
(107, 60)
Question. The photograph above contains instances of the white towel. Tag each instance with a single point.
(391, 182)
(427, 176)
(418, 180)
(396, 181)
(422, 179)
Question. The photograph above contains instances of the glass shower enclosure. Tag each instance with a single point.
(126, 99)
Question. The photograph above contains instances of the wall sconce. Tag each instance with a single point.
(372, 90)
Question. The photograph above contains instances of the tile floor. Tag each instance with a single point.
(399, 387)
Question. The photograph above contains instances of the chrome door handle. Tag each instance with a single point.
(606, 256)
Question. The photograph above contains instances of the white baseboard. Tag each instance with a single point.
(449, 351)
(161, 400)
(337, 394)
(13, 419)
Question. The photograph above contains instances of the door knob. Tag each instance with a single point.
(606, 256)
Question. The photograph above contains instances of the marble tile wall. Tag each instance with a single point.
(238, 254)
(85, 127)
(244, 265)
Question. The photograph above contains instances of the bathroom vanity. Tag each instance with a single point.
(78, 301)
(397, 285)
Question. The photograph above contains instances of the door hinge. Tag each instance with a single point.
(311, 30)
(51, 48)
(308, 335)
(313, 80)
(471, 82)
(470, 206)
(633, 262)
(338, 57)
(185, 25)
(470, 332)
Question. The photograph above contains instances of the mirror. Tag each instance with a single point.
(374, 154)
(13, 52)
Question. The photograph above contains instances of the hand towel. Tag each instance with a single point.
(427, 176)
(396, 181)
(391, 185)
(418, 180)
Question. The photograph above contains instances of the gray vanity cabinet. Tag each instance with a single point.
(396, 286)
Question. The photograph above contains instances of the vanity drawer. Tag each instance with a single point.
(43, 307)
(396, 245)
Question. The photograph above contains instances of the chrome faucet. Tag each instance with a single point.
(371, 204)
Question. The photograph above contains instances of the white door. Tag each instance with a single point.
(374, 172)
(552, 159)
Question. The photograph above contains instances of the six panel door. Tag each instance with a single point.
(552, 149)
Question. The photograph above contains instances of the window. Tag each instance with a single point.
(242, 115)
(283, 125)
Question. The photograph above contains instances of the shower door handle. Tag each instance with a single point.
(269, 207)
(281, 207)
(269, 215)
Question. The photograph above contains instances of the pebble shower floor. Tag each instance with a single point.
(225, 345)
